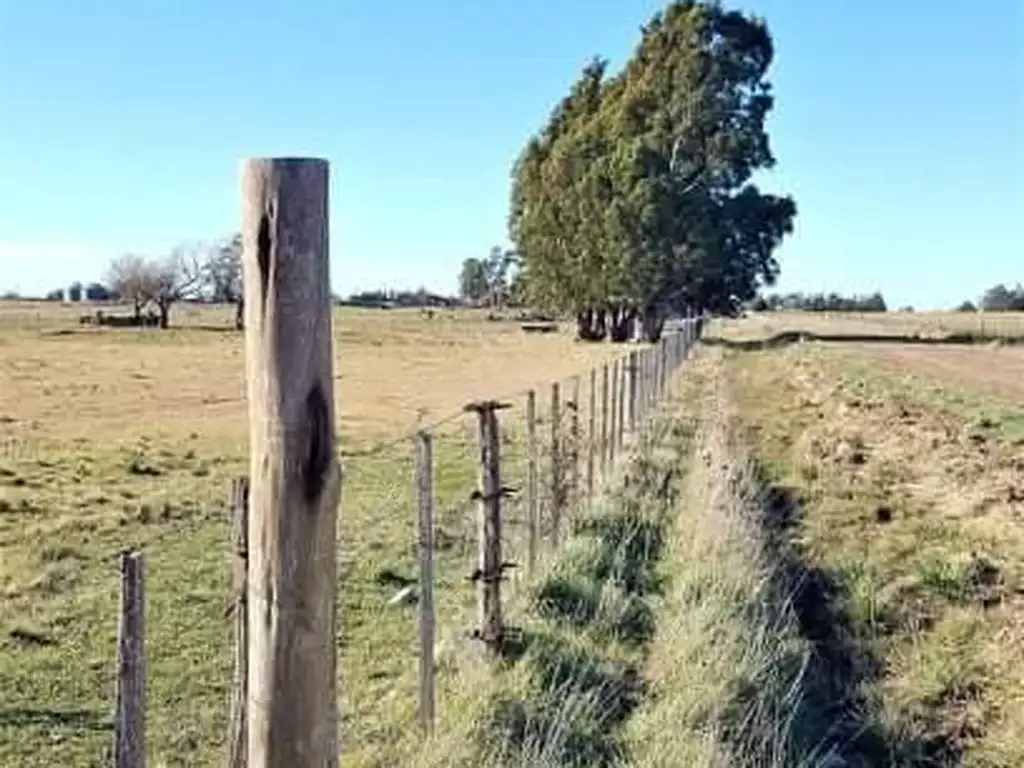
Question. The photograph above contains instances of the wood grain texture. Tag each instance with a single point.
(295, 479)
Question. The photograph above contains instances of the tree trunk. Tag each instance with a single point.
(590, 325)
(240, 314)
(165, 314)
(652, 324)
(618, 322)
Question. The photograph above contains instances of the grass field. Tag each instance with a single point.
(129, 438)
(837, 568)
(905, 475)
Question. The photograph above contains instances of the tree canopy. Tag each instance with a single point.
(635, 199)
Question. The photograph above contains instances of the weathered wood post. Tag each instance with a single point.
(425, 535)
(621, 420)
(604, 422)
(531, 481)
(130, 720)
(634, 400)
(591, 434)
(574, 443)
(294, 473)
(490, 569)
(613, 436)
(557, 476)
(238, 504)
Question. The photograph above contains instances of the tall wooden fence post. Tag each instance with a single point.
(238, 504)
(490, 568)
(574, 442)
(591, 434)
(531, 481)
(425, 535)
(130, 725)
(557, 476)
(294, 473)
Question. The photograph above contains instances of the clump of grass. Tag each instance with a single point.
(564, 699)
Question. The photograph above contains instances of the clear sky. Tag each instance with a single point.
(899, 128)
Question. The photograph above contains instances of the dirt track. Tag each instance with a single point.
(998, 372)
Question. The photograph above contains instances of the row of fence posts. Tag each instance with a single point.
(290, 719)
(629, 387)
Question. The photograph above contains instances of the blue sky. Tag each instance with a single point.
(899, 128)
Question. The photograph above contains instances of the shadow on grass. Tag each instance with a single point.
(81, 719)
(842, 666)
(787, 338)
(581, 659)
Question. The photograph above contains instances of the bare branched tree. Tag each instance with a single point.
(175, 278)
(131, 276)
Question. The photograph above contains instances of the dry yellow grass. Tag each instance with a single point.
(117, 438)
(927, 324)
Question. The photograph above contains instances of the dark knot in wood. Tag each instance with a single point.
(318, 457)
(263, 247)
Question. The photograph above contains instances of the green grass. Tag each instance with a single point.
(910, 496)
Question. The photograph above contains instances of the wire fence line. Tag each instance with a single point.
(494, 493)
(449, 521)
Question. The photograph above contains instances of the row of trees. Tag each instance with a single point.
(1000, 298)
(209, 272)
(820, 302)
(635, 198)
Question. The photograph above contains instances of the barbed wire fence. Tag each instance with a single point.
(503, 484)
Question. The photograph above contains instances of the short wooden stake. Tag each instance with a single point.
(591, 436)
(238, 504)
(425, 535)
(613, 433)
(605, 405)
(130, 722)
(490, 568)
(574, 443)
(531, 481)
(557, 476)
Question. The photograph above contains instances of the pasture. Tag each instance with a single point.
(901, 468)
(129, 438)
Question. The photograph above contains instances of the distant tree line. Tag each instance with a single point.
(820, 302)
(998, 298)
(389, 298)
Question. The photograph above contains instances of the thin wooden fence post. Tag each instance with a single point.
(633, 392)
(292, 708)
(531, 481)
(557, 477)
(130, 725)
(604, 422)
(238, 504)
(613, 431)
(490, 568)
(574, 442)
(591, 435)
(425, 535)
(622, 407)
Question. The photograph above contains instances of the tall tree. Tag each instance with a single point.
(635, 198)
(473, 284)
